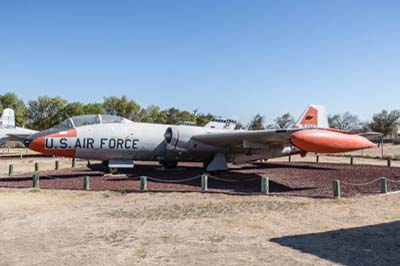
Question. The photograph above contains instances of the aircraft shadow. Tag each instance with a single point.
(230, 181)
(361, 246)
(268, 165)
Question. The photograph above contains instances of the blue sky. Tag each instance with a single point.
(231, 58)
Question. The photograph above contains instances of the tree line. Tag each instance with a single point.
(45, 112)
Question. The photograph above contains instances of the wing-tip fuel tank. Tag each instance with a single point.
(329, 141)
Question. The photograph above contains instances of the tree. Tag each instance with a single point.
(172, 116)
(385, 122)
(176, 116)
(122, 107)
(93, 108)
(345, 121)
(10, 100)
(153, 114)
(257, 123)
(45, 112)
(72, 109)
(186, 116)
(239, 126)
(203, 119)
(284, 121)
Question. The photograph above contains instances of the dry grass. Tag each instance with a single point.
(103, 228)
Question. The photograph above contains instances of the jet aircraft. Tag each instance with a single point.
(119, 141)
(8, 131)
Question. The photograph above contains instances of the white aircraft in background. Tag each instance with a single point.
(119, 141)
(8, 131)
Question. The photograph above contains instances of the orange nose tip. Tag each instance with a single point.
(37, 144)
(328, 141)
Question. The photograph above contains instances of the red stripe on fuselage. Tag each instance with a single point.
(39, 144)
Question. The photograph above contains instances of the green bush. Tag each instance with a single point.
(396, 141)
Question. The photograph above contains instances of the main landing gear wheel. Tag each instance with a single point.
(113, 170)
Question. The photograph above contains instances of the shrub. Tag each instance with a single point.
(396, 141)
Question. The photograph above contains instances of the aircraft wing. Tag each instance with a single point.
(238, 137)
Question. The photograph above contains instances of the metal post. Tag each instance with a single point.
(204, 182)
(86, 183)
(351, 160)
(143, 183)
(290, 159)
(336, 189)
(10, 169)
(317, 159)
(73, 162)
(36, 166)
(57, 165)
(88, 163)
(36, 181)
(265, 184)
(20, 155)
(383, 184)
(389, 163)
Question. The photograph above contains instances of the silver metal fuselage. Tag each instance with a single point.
(146, 141)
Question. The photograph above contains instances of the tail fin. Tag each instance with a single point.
(8, 118)
(315, 116)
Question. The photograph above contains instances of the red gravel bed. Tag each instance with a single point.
(301, 179)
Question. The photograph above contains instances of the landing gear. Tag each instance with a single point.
(115, 166)
(170, 164)
(218, 163)
(113, 170)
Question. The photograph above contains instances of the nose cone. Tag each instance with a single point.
(36, 144)
(48, 142)
(329, 141)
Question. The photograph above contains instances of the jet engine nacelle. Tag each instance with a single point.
(176, 139)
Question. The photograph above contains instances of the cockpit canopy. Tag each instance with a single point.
(84, 120)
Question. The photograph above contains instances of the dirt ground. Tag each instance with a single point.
(49, 227)
(71, 227)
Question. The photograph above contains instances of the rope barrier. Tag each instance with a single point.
(360, 184)
(196, 177)
(231, 180)
(174, 181)
(393, 181)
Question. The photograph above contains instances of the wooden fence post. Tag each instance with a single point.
(86, 183)
(265, 184)
(36, 167)
(383, 185)
(73, 162)
(204, 182)
(35, 181)
(351, 160)
(57, 165)
(143, 183)
(336, 189)
(10, 169)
